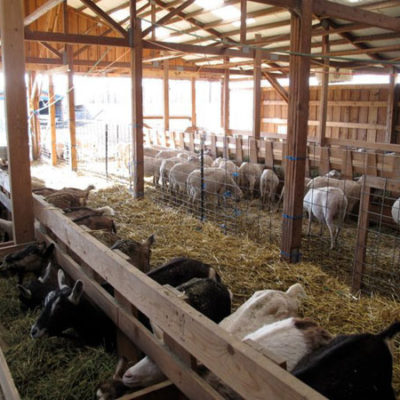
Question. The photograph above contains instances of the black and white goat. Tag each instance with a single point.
(65, 308)
(33, 294)
(32, 258)
(352, 367)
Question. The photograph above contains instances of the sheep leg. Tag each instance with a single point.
(309, 222)
(331, 233)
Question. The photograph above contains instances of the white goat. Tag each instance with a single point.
(269, 182)
(327, 204)
(396, 211)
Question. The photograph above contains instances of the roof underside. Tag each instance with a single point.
(209, 22)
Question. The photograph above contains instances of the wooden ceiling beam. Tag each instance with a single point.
(166, 18)
(193, 21)
(43, 9)
(51, 49)
(370, 50)
(105, 17)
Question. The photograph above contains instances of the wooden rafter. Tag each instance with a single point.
(105, 17)
(166, 18)
(43, 9)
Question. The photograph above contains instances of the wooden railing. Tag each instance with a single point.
(340, 155)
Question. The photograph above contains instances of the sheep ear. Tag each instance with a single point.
(76, 293)
(24, 291)
(61, 279)
(46, 276)
(120, 368)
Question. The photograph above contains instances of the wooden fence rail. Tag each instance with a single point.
(340, 155)
(244, 369)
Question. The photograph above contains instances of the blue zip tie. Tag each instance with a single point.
(294, 218)
(297, 257)
(292, 158)
(227, 194)
(235, 174)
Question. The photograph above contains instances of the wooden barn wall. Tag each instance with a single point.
(354, 113)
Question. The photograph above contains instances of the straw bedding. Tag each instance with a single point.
(55, 369)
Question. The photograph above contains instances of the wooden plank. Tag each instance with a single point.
(186, 379)
(166, 95)
(257, 94)
(361, 241)
(243, 15)
(225, 99)
(6, 381)
(253, 150)
(323, 105)
(181, 141)
(12, 48)
(43, 9)
(194, 116)
(213, 145)
(239, 149)
(106, 18)
(359, 143)
(370, 164)
(391, 107)
(197, 334)
(191, 141)
(73, 162)
(269, 154)
(300, 42)
(160, 391)
(52, 116)
(347, 167)
(137, 104)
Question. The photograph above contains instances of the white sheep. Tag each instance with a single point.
(179, 173)
(269, 183)
(396, 211)
(328, 205)
(165, 168)
(216, 183)
(306, 182)
(249, 176)
(167, 153)
(351, 189)
(231, 168)
(217, 161)
(264, 307)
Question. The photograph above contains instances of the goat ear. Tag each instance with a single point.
(24, 291)
(150, 240)
(120, 368)
(49, 251)
(76, 293)
(46, 276)
(61, 279)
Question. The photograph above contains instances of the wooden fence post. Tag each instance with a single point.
(269, 154)
(239, 149)
(362, 237)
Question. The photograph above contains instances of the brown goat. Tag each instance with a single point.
(78, 212)
(44, 191)
(97, 222)
(65, 200)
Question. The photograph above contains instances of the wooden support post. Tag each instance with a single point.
(137, 102)
(194, 119)
(52, 117)
(12, 49)
(225, 108)
(181, 137)
(166, 96)
(300, 42)
(243, 14)
(323, 103)
(213, 145)
(253, 150)
(34, 120)
(362, 237)
(225, 150)
(324, 163)
(71, 110)
(257, 93)
(391, 109)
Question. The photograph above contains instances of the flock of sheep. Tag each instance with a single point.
(327, 198)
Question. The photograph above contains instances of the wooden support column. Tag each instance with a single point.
(166, 96)
(52, 117)
(323, 104)
(243, 14)
(194, 117)
(13, 53)
(137, 102)
(225, 108)
(257, 93)
(300, 42)
(34, 120)
(71, 111)
(391, 109)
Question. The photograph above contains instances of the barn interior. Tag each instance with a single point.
(300, 87)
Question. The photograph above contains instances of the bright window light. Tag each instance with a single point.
(249, 21)
(229, 12)
(120, 14)
(207, 4)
